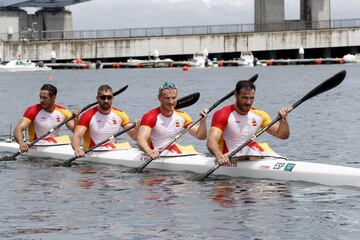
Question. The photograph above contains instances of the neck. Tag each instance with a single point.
(165, 112)
(50, 108)
(237, 109)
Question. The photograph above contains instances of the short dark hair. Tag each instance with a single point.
(244, 84)
(104, 88)
(51, 88)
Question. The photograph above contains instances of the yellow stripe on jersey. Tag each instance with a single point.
(123, 116)
(67, 114)
(266, 118)
(185, 116)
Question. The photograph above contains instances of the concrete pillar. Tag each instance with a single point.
(269, 15)
(57, 20)
(12, 23)
(315, 13)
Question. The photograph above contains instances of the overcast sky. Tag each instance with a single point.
(116, 14)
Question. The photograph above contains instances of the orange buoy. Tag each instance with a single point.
(341, 61)
(220, 63)
(116, 65)
(318, 61)
(185, 68)
(78, 61)
(269, 63)
(139, 65)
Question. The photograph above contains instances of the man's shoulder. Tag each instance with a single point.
(226, 109)
(153, 112)
(116, 109)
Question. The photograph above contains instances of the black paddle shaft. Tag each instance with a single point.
(212, 107)
(67, 163)
(323, 87)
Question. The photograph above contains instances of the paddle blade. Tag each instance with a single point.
(12, 157)
(187, 100)
(253, 78)
(7, 158)
(326, 85)
(120, 90)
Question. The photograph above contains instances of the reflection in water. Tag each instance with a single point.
(228, 193)
(85, 182)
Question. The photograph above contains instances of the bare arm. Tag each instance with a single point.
(200, 130)
(76, 139)
(72, 124)
(23, 124)
(143, 139)
(213, 146)
(133, 133)
(281, 129)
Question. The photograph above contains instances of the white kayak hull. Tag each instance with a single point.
(269, 168)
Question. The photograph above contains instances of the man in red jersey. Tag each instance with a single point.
(100, 123)
(42, 117)
(161, 125)
(234, 124)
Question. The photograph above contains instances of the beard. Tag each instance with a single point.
(105, 106)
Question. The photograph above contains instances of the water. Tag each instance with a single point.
(90, 201)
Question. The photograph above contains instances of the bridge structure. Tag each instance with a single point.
(270, 36)
(51, 15)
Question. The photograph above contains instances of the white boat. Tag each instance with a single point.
(21, 66)
(269, 168)
(246, 59)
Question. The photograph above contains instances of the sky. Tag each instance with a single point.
(117, 14)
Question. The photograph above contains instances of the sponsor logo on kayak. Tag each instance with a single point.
(289, 167)
(264, 167)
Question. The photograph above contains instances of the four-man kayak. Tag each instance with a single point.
(267, 168)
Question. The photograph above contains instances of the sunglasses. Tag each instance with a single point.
(106, 97)
(167, 85)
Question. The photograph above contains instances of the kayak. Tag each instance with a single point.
(267, 168)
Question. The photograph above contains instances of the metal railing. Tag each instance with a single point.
(179, 31)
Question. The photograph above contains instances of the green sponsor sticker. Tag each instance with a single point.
(289, 167)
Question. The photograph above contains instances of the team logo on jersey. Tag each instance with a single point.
(177, 124)
(58, 119)
(114, 121)
(254, 123)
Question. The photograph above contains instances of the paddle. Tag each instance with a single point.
(13, 156)
(187, 100)
(147, 162)
(67, 163)
(323, 87)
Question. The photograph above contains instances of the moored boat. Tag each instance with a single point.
(22, 65)
(267, 168)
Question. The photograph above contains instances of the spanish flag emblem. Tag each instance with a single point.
(58, 119)
(114, 121)
(254, 123)
(177, 124)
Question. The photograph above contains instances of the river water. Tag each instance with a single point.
(93, 201)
